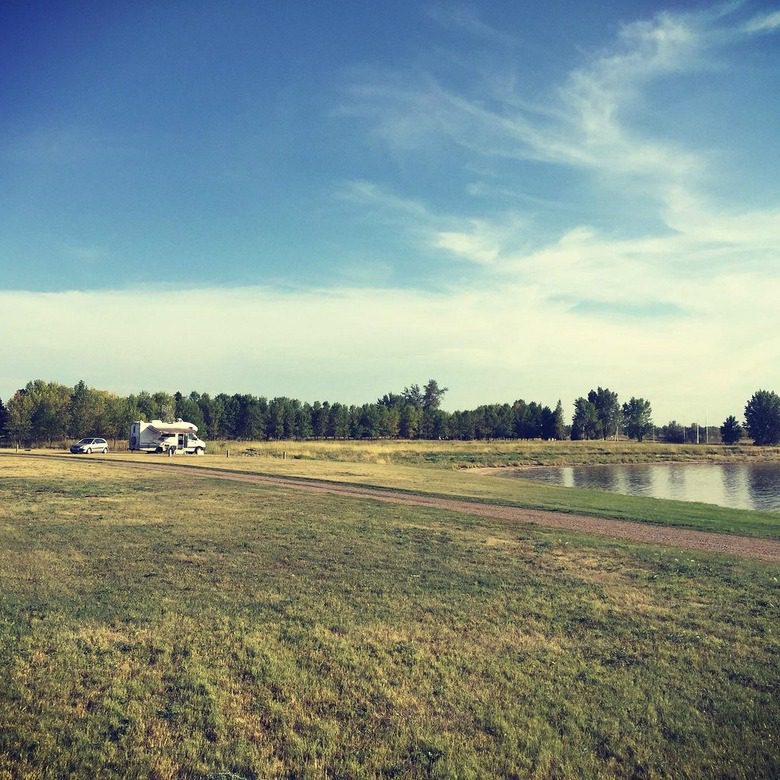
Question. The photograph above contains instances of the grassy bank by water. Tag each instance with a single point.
(477, 454)
(517, 453)
(167, 626)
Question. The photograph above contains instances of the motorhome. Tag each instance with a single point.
(170, 438)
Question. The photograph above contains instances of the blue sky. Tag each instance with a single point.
(331, 200)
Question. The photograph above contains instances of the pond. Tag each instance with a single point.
(735, 485)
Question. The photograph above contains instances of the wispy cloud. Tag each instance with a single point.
(753, 229)
(763, 23)
(372, 195)
(466, 18)
(579, 124)
(598, 96)
(468, 245)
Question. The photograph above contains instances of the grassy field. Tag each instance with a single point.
(440, 479)
(167, 626)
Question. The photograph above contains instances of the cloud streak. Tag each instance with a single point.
(764, 23)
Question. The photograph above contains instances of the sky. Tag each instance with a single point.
(333, 200)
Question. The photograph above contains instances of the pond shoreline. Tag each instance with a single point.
(752, 485)
(637, 458)
(666, 462)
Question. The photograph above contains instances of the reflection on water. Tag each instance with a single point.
(736, 485)
(639, 482)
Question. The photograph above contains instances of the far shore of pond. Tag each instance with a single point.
(641, 456)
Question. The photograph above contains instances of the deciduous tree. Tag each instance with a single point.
(559, 423)
(673, 432)
(432, 395)
(413, 396)
(20, 412)
(585, 422)
(3, 419)
(50, 410)
(409, 422)
(163, 406)
(762, 417)
(637, 418)
(730, 431)
(607, 409)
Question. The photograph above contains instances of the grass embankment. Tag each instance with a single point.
(489, 454)
(510, 453)
(169, 626)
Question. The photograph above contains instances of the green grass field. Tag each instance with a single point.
(442, 479)
(169, 626)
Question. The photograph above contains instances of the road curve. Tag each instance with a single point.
(705, 541)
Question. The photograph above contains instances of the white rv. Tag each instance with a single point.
(171, 438)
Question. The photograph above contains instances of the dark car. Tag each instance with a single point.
(90, 445)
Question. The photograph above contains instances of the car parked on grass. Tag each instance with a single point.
(90, 445)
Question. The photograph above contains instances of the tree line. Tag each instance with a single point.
(48, 412)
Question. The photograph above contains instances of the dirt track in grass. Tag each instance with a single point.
(705, 541)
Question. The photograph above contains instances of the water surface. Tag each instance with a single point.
(735, 485)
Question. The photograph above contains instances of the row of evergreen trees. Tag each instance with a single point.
(47, 412)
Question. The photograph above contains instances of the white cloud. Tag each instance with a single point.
(764, 23)
(753, 229)
(467, 245)
(493, 344)
(370, 194)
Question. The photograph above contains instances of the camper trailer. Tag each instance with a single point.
(170, 438)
